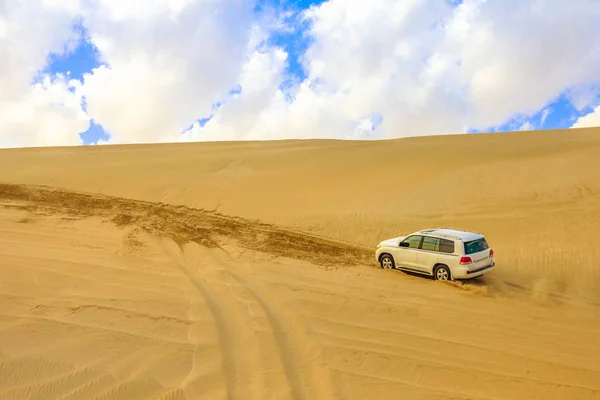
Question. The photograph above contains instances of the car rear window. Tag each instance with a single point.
(475, 246)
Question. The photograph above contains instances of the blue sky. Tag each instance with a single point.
(83, 59)
(559, 114)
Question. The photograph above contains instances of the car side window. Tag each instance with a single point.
(446, 246)
(431, 244)
(414, 241)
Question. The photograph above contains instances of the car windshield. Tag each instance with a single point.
(475, 246)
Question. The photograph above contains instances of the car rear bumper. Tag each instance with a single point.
(466, 273)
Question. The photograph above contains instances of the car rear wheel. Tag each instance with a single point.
(387, 262)
(442, 273)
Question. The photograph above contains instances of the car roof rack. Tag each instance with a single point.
(448, 234)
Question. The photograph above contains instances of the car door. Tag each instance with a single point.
(407, 257)
(428, 255)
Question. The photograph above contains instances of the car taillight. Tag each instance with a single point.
(465, 260)
(491, 253)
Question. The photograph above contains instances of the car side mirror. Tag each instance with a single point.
(404, 244)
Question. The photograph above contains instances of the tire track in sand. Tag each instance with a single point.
(265, 355)
(298, 354)
(225, 329)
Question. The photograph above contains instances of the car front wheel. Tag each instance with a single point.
(442, 273)
(387, 262)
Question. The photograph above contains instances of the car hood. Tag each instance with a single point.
(394, 242)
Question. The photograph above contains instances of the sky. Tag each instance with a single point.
(82, 72)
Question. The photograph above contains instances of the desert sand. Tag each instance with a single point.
(246, 270)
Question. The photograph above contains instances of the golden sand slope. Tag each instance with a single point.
(105, 297)
(534, 194)
(109, 298)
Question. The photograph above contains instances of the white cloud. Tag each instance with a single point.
(512, 59)
(516, 60)
(589, 120)
(425, 66)
(243, 115)
(46, 112)
(167, 64)
(50, 115)
(545, 113)
(484, 64)
(526, 126)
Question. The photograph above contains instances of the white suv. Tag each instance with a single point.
(445, 254)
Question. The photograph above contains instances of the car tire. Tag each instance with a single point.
(387, 262)
(442, 273)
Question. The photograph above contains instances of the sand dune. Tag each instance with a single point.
(245, 270)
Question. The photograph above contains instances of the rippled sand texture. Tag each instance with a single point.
(246, 270)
